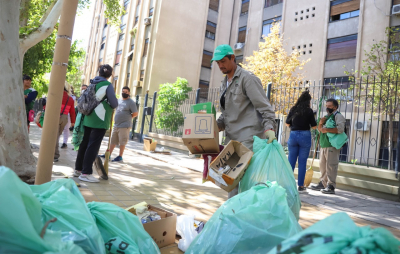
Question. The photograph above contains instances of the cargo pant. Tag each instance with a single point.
(61, 125)
(328, 165)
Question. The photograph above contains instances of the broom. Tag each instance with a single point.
(109, 138)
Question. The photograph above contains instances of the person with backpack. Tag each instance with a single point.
(300, 119)
(30, 95)
(67, 107)
(96, 121)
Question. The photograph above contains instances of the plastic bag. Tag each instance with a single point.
(270, 163)
(21, 221)
(61, 199)
(121, 230)
(336, 140)
(339, 234)
(254, 221)
(185, 228)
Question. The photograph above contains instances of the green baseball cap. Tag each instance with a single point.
(221, 51)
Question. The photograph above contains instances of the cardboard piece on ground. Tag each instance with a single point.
(162, 231)
(200, 133)
(149, 145)
(171, 249)
(238, 157)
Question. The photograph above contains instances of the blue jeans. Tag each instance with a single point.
(299, 147)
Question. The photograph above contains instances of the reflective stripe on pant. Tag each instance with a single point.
(61, 125)
(328, 165)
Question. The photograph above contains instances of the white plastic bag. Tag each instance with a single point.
(185, 228)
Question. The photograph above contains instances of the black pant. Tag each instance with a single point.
(89, 149)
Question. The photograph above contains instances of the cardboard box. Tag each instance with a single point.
(149, 145)
(162, 231)
(238, 157)
(200, 133)
(208, 107)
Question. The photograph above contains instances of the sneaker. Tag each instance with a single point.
(88, 178)
(55, 160)
(117, 159)
(318, 186)
(328, 190)
(302, 189)
(77, 173)
(64, 145)
(102, 156)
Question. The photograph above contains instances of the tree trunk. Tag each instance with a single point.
(390, 164)
(15, 150)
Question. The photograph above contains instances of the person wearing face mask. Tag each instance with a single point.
(329, 156)
(122, 123)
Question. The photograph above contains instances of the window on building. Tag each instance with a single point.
(146, 45)
(345, 15)
(151, 12)
(102, 46)
(269, 3)
(338, 88)
(103, 39)
(239, 60)
(141, 75)
(211, 30)
(123, 27)
(126, 4)
(118, 58)
(245, 7)
(242, 34)
(123, 19)
(100, 60)
(105, 23)
(214, 5)
(384, 151)
(345, 7)
(396, 2)
(132, 46)
(267, 25)
(121, 37)
(342, 47)
(136, 20)
(207, 56)
(394, 44)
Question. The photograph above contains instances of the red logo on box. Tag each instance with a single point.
(188, 131)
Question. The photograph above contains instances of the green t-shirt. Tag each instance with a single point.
(100, 118)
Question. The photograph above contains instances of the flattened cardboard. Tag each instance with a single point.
(162, 231)
(149, 145)
(200, 133)
(238, 157)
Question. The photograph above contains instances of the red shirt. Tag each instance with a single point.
(69, 109)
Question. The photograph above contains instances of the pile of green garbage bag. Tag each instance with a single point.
(121, 230)
(254, 221)
(80, 228)
(339, 234)
(337, 140)
(21, 223)
(270, 163)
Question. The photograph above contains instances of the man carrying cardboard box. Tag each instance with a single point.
(246, 111)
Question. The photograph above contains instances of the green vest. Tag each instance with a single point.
(29, 106)
(323, 139)
(100, 118)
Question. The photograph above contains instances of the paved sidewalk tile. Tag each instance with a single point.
(174, 183)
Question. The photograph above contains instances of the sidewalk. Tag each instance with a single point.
(174, 182)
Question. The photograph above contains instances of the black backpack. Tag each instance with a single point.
(88, 100)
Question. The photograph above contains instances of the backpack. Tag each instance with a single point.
(88, 100)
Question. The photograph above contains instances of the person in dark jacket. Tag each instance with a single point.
(300, 120)
(67, 107)
(96, 124)
(30, 95)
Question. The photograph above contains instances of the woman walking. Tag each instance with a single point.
(95, 125)
(300, 119)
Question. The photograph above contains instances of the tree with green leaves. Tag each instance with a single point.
(379, 84)
(170, 98)
(24, 24)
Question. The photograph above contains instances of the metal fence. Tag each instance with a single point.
(369, 106)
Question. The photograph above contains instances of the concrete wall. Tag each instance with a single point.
(272, 12)
(209, 44)
(336, 68)
(343, 27)
(205, 74)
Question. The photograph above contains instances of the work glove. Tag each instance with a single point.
(270, 135)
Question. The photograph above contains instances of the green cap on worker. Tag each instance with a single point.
(221, 51)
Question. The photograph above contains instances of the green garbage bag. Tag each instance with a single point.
(336, 140)
(61, 199)
(121, 230)
(21, 222)
(270, 163)
(339, 234)
(79, 131)
(254, 221)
